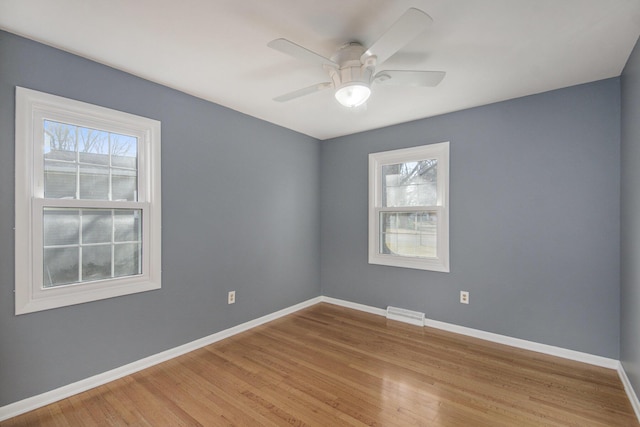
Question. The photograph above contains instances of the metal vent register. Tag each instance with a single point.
(404, 315)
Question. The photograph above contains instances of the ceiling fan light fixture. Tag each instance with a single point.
(353, 94)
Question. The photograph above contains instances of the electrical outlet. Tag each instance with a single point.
(231, 297)
(464, 297)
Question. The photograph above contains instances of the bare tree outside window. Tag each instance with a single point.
(65, 137)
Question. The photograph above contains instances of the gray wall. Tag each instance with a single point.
(534, 219)
(240, 211)
(630, 227)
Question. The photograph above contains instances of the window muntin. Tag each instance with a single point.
(408, 212)
(87, 202)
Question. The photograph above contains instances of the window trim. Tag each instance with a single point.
(439, 151)
(32, 107)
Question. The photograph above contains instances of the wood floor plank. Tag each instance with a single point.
(332, 366)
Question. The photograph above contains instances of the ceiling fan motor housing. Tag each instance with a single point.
(352, 70)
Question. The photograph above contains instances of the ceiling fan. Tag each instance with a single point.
(352, 67)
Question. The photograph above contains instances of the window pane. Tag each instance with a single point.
(124, 151)
(127, 225)
(60, 266)
(410, 184)
(408, 234)
(94, 182)
(97, 226)
(96, 262)
(61, 227)
(60, 141)
(124, 184)
(127, 259)
(60, 180)
(93, 146)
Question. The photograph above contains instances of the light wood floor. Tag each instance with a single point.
(331, 366)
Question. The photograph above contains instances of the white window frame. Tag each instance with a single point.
(439, 151)
(32, 108)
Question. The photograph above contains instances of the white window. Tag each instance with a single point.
(87, 202)
(408, 207)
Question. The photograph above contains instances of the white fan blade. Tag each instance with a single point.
(409, 78)
(302, 92)
(299, 52)
(405, 29)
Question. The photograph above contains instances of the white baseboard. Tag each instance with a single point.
(489, 336)
(31, 403)
(633, 397)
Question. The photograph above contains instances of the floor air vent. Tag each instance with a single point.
(407, 316)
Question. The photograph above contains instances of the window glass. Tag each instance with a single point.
(126, 259)
(61, 266)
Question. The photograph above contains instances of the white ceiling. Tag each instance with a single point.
(492, 50)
